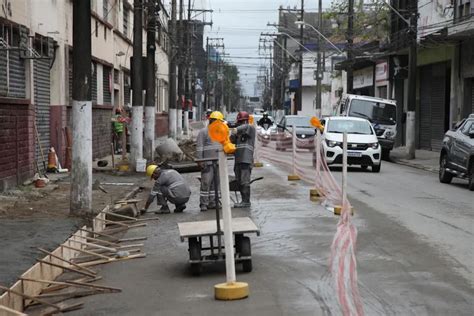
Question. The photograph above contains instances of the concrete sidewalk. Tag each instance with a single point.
(424, 159)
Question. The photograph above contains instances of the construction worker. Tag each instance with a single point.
(207, 149)
(169, 186)
(265, 121)
(244, 139)
(118, 129)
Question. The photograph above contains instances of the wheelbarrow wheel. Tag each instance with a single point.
(195, 254)
(246, 251)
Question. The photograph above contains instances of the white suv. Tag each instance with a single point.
(363, 148)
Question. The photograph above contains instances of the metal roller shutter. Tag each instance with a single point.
(3, 72)
(42, 106)
(432, 106)
(438, 104)
(94, 82)
(17, 75)
(472, 96)
(425, 108)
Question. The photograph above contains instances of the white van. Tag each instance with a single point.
(382, 113)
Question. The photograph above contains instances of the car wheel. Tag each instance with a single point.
(363, 167)
(386, 154)
(471, 177)
(376, 168)
(444, 175)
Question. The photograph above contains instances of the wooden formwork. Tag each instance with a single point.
(10, 302)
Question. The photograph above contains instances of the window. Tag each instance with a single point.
(467, 127)
(126, 16)
(107, 84)
(96, 29)
(12, 82)
(116, 76)
(126, 88)
(105, 33)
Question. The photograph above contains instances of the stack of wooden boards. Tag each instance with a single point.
(67, 272)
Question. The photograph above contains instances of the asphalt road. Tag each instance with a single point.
(414, 253)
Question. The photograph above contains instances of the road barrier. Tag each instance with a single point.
(305, 159)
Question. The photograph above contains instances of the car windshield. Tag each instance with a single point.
(375, 112)
(298, 121)
(349, 126)
(231, 117)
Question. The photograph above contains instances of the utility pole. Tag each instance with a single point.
(187, 87)
(149, 141)
(81, 174)
(319, 73)
(299, 104)
(172, 119)
(136, 150)
(181, 71)
(412, 65)
(350, 42)
(206, 79)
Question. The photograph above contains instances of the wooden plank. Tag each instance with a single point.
(97, 262)
(89, 244)
(121, 216)
(65, 268)
(63, 307)
(29, 297)
(10, 311)
(239, 225)
(132, 239)
(100, 234)
(67, 261)
(77, 284)
(102, 241)
(86, 251)
(54, 288)
(106, 221)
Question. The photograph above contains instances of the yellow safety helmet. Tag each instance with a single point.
(217, 116)
(150, 170)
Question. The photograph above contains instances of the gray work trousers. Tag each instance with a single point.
(243, 171)
(166, 195)
(207, 195)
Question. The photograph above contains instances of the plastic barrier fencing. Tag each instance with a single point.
(302, 156)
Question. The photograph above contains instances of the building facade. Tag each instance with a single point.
(36, 51)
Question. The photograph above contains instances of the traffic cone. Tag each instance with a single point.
(52, 160)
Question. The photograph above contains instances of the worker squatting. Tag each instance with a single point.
(170, 186)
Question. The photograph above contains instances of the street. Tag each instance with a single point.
(409, 262)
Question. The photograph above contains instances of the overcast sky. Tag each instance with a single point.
(240, 23)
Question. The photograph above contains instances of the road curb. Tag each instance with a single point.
(414, 165)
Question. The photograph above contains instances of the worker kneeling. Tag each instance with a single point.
(169, 186)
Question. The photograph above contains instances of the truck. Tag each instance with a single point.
(381, 113)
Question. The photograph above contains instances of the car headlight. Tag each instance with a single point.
(390, 134)
(374, 145)
(332, 143)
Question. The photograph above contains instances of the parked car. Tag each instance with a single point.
(363, 148)
(304, 132)
(382, 114)
(457, 155)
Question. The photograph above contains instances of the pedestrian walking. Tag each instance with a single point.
(207, 149)
(118, 128)
(244, 140)
(169, 187)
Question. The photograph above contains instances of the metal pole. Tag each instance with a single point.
(318, 70)
(294, 148)
(227, 218)
(299, 104)
(318, 156)
(344, 168)
(81, 175)
(136, 150)
(206, 78)
(411, 113)
(149, 140)
(350, 41)
(181, 71)
(172, 119)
